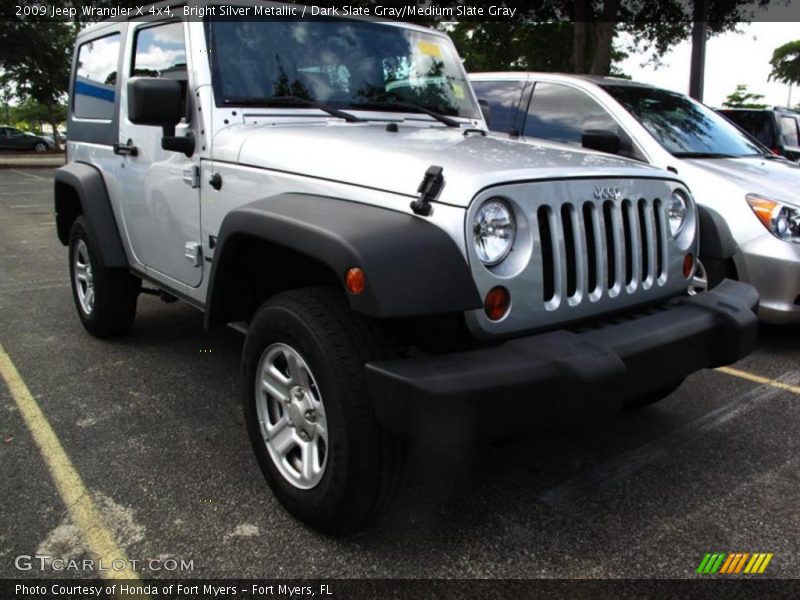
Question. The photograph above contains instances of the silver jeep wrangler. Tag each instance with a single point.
(328, 186)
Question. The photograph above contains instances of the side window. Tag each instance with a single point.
(560, 113)
(758, 124)
(160, 51)
(503, 98)
(789, 131)
(96, 78)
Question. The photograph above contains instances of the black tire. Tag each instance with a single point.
(364, 463)
(115, 290)
(718, 269)
(40, 147)
(658, 395)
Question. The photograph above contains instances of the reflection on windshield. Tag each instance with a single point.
(685, 128)
(344, 64)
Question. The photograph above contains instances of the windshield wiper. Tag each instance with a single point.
(403, 105)
(297, 101)
(704, 155)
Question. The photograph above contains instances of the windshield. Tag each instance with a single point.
(339, 63)
(685, 128)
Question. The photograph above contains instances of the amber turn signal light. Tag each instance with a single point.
(688, 266)
(497, 303)
(355, 281)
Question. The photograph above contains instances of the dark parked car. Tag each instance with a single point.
(16, 139)
(776, 128)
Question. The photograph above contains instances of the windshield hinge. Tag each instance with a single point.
(429, 190)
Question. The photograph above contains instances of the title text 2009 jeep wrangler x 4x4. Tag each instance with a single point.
(328, 184)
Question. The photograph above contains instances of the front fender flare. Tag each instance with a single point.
(412, 267)
(716, 240)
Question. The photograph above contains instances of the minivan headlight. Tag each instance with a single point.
(677, 211)
(781, 220)
(494, 229)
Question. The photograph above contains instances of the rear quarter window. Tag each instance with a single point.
(789, 131)
(94, 88)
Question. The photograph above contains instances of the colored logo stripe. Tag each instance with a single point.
(711, 563)
(758, 563)
(735, 562)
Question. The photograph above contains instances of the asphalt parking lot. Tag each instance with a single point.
(152, 424)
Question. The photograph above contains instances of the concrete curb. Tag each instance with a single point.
(32, 161)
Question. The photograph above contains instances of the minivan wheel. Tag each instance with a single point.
(105, 297)
(699, 281)
(40, 147)
(713, 271)
(309, 419)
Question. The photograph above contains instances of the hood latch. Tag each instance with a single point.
(429, 190)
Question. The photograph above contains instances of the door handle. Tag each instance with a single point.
(126, 149)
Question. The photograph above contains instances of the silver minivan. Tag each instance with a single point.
(749, 199)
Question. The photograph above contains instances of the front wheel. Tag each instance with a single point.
(310, 421)
(40, 147)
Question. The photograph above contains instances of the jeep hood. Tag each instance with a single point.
(367, 155)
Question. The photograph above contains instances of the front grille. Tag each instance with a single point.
(601, 249)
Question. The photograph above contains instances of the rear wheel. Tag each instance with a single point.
(310, 421)
(105, 297)
(40, 147)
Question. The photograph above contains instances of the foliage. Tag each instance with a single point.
(524, 47)
(31, 112)
(35, 56)
(786, 63)
(582, 36)
(741, 98)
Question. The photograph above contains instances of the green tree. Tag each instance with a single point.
(31, 112)
(582, 36)
(741, 98)
(35, 56)
(786, 63)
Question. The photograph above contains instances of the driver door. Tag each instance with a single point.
(160, 188)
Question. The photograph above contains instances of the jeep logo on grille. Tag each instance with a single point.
(607, 193)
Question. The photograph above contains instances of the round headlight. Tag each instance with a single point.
(677, 210)
(493, 231)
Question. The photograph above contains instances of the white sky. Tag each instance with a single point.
(731, 59)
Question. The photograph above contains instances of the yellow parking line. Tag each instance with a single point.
(94, 531)
(759, 379)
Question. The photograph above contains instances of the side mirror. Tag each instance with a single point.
(486, 109)
(159, 102)
(601, 140)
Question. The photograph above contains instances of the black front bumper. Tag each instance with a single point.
(566, 376)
